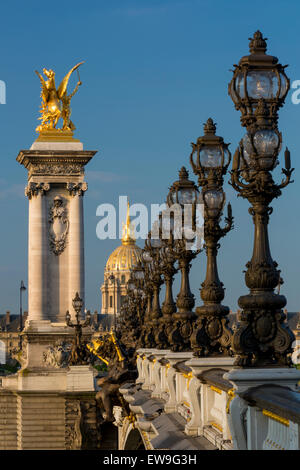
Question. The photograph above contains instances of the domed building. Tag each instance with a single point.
(117, 272)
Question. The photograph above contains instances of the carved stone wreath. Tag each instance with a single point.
(59, 226)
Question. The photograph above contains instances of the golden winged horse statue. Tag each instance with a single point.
(56, 101)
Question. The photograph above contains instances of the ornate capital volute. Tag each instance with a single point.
(33, 189)
(77, 189)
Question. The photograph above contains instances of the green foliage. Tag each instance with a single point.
(100, 367)
(10, 369)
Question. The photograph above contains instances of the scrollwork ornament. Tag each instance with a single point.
(34, 189)
(77, 189)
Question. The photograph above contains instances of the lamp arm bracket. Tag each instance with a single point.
(287, 180)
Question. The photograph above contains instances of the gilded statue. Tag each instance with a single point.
(56, 101)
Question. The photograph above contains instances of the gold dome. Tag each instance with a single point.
(126, 256)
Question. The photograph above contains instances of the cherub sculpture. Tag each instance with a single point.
(56, 101)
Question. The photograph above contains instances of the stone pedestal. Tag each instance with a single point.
(49, 409)
(80, 378)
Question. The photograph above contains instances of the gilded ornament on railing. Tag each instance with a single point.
(56, 103)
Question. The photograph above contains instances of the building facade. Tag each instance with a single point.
(9, 336)
(117, 271)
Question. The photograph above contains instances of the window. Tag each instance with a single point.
(110, 301)
(123, 279)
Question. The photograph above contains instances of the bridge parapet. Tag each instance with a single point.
(183, 402)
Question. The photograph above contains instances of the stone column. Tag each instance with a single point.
(76, 243)
(37, 253)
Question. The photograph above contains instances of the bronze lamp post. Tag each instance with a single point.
(138, 277)
(79, 352)
(168, 270)
(210, 158)
(258, 89)
(184, 193)
(152, 260)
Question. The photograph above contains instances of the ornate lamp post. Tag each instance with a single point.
(152, 259)
(79, 353)
(183, 192)
(22, 289)
(168, 270)
(129, 321)
(210, 158)
(136, 285)
(112, 278)
(258, 89)
(148, 290)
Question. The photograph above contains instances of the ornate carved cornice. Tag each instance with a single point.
(52, 157)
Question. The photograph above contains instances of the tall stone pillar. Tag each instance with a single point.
(37, 259)
(76, 243)
(56, 240)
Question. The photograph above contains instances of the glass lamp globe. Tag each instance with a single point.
(266, 84)
(139, 274)
(265, 144)
(210, 156)
(258, 76)
(183, 191)
(130, 286)
(214, 201)
(147, 257)
(213, 157)
(77, 303)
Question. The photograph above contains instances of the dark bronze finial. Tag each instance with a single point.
(210, 127)
(258, 43)
(183, 174)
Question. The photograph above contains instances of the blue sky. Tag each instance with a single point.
(154, 72)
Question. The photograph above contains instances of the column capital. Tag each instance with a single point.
(33, 189)
(77, 188)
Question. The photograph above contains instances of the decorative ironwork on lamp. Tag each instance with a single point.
(211, 335)
(79, 354)
(185, 193)
(258, 89)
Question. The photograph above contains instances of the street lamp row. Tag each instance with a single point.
(262, 337)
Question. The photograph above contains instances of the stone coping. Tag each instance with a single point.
(182, 367)
(215, 377)
(279, 400)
